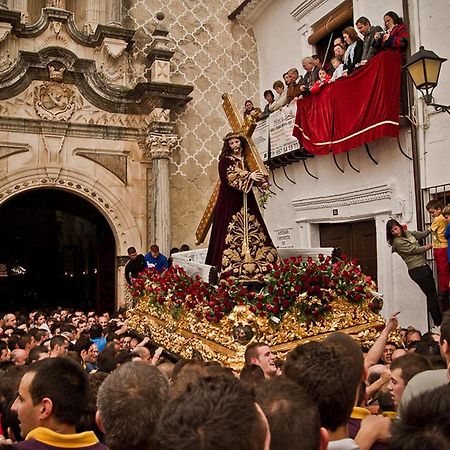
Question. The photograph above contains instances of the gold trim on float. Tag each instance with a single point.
(182, 333)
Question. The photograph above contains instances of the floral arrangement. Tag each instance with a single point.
(308, 285)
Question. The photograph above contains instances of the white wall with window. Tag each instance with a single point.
(379, 191)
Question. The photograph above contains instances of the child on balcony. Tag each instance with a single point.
(338, 67)
(324, 78)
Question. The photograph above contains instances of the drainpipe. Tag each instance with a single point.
(414, 137)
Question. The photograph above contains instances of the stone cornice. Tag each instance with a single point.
(65, 17)
(142, 99)
(249, 10)
(357, 196)
(305, 7)
(37, 126)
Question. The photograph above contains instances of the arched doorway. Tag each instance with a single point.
(56, 249)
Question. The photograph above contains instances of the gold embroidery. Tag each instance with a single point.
(234, 259)
(238, 177)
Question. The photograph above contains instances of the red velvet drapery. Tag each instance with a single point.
(356, 109)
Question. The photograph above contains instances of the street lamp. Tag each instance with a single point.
(424, 68)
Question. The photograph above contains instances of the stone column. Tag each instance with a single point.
(160, 147)
(92, 15)
(114, 12)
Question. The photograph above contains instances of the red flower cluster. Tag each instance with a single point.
(308, 286)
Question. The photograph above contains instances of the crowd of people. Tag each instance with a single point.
(70, 379)
(350, 53)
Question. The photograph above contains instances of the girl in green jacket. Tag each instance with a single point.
(406, 244)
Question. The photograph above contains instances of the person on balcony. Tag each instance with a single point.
(295, 81)
(270, 98)
(406, 244)
(311, 75)
(324, 78)
(281, 100)
(368, 31)
(353, 54)
(396, 37)
(338, 67)
(339, 50)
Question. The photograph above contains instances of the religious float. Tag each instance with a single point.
(293, 300)
(300, 299)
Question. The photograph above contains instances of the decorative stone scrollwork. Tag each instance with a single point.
(56, 71)
(159, 146)
(114, 47)
(54, 101)
(5, 61)
(159, 115)
(61, 4)
(5, 29)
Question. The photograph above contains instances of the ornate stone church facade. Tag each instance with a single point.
(119, 103)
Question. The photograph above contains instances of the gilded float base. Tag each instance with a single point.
(188, 336)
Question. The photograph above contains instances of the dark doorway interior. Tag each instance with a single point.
(65, 247)
(356, 240)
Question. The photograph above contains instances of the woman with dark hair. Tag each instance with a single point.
(406, 244)
(240, 245)
(355, 47)
(395, 37)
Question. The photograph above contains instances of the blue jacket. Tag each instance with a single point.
(160, 263)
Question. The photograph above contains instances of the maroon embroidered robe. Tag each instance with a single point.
(240, 244)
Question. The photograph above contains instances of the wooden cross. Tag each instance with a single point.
(251, 156)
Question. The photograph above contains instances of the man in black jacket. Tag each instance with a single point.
(135, 265)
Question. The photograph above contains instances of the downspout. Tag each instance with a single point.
(413, 129)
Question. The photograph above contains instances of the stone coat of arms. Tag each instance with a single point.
(54, 101)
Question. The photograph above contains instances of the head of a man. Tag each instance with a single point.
(259, 353)
(402, 370)
(425, 422)
(39, 319)
(412, 335)
(59, 346)
(52, 394)
(308, 64)
(132, 253)
(132, 387)
(10, 320)
(293, 75)
(363, 25)
(102, 322)
(293, 417)
(214, 413)
(18, 356)
(389, 349)
(328, 376)
(339, 51)
(154, 251)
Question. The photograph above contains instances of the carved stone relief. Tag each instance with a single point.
(53, 144)
(5, 60)
(160, 71)
(5, 29)
(160, 146)
(114, 163)
(9, 149)
(54, 101)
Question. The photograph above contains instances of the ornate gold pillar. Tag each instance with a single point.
(159, 147)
